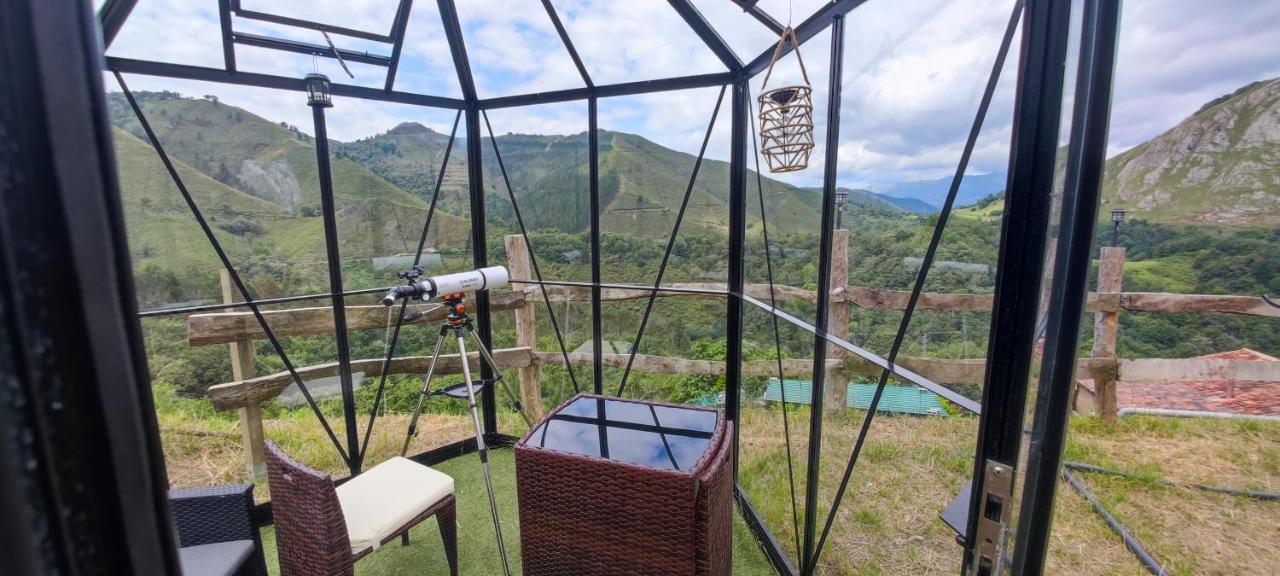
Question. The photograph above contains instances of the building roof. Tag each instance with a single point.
(1223, 396)
(896, 399)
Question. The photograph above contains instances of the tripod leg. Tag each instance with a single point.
(480, 447)
(497, 376)
(422, 394)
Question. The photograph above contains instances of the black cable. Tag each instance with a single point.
(671, 242)
(1256, 494)
(925, 264)
(1130, 542)
(777, 337)
(404, 305)
(154, 312)
(546, 298)
(226, 263)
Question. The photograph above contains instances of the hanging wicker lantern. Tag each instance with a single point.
(786, 116)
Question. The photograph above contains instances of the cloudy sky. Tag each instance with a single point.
(914, 69)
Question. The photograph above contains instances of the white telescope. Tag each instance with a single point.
(432, 286)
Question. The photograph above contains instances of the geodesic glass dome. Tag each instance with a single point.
(608, 155)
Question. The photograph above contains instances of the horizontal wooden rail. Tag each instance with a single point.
(1162, 302)
(672, 365)
(227, 327)
(256, 390)
(238, 394)
(1174, 369)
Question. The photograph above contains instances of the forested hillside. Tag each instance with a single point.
(256, 182)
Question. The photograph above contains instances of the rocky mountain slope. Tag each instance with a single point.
(1221, 165)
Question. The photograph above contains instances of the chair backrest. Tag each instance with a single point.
(311, 533)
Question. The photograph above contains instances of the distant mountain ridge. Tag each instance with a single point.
(932, 193)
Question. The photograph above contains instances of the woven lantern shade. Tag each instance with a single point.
(786, 116)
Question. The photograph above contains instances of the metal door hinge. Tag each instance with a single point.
(993, 520)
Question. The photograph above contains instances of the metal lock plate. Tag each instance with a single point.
(993, 520)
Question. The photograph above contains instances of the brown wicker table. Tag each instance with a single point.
(611, 487)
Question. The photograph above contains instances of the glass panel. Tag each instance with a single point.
(791, 12)
(426, 65)
(917, 453)
(631, 41)
(792, 200)
(384, 176)
(291, 65)
(513, 48)
(180, 33)
(643, 183)
(376, 16)
(545, 154)
(765, 472)
(384, 182)
(1175, 240)
(745, 35)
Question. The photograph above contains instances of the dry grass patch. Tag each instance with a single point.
(909, 470)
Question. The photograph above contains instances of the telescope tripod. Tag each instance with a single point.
(459, 324)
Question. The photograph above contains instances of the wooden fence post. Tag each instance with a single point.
(242, 368)
(518, 266)
(836, 390)
(1110, 279)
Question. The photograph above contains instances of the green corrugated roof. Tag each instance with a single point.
(898, 399)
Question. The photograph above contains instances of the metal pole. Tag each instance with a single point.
(1082, 193)
(593, 139)
(480, 445)
(498, 379)
(423, 393)
(328, 209)
(480, 257)
(824, 296)
(1033, 150)
(737, 242)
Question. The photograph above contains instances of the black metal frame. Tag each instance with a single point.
(82, 477)
(1023, 238)
(1023, 235)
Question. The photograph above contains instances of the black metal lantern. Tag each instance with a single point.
(841, 197)
(318, 91)
(1117, 217)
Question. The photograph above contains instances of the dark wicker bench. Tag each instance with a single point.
(322, 529)
(216, 532)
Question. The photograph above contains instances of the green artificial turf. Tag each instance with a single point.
(477, 548)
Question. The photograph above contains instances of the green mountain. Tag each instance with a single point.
(262, 180)
(1221, 165)
(641, 182)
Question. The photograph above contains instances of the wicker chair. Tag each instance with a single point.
(322, 529)
(216, 531)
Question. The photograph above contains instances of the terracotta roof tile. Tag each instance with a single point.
(1240, 397)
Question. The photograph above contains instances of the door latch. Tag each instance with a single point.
(993, 520)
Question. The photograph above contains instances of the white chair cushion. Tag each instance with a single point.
(386, 497)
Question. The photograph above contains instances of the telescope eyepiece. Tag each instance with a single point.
(398, 292)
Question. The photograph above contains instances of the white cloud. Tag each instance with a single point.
(913, 76)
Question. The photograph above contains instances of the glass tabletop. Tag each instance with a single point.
(666, 437)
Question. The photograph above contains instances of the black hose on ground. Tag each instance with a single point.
(1256, 494)
(1130, 542)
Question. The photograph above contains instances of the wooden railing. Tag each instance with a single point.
(239, 329)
